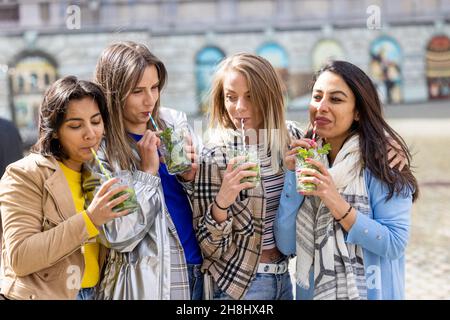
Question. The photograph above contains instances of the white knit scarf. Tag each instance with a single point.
(338, 266)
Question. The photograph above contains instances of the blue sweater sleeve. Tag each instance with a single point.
(284, 225)
(386, 233)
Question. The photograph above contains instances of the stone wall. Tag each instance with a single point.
(77, 52)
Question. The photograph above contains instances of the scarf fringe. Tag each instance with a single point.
(302, 281)
(333, 260)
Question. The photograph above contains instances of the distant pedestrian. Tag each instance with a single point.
(10, 151)
(10, 144)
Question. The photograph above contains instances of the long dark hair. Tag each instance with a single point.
(373, 130)
(54, 108)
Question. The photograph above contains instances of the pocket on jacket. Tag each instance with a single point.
(51, 217)
(47, 224)
(54, 272)
(19, 291)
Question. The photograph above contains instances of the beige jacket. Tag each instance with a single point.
(42, 232)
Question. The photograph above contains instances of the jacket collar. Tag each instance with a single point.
(46, 161)
(57, 186)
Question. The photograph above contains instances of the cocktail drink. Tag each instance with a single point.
(300, 163)
(131, 203)
(248, 153)
(125, 179)
(172, 150)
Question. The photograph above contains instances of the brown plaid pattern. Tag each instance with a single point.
(232, 248)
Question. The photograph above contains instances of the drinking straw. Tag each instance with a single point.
(242, 132)
(314, 132)
(108, 176)
(153, 122)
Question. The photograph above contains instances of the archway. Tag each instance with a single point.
(438, 67)
(278, 57)
(205, 64)
(30, 74)
(324, 51)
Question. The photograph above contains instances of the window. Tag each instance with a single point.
(44, 11)
(324, 51)
(277, 56)
(34, 81)
(205, 64)
(46, 79)
(9, 12)
(20, 84)
(33, 69)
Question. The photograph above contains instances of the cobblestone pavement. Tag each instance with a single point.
(428, 252)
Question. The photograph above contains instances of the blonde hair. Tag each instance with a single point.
(119, 70)
(266, 95)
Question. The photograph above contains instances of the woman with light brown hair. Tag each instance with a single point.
(234, 218)
(154, 252)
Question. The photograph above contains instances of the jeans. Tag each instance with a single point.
(195, 281)
(265, 286)
(86, 294)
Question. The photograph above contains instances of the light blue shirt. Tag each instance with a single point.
(383, 235)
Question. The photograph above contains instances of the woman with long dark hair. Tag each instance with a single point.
(49, 248)
(352, 230)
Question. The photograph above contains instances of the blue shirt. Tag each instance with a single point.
(383, 235)
(180, 211)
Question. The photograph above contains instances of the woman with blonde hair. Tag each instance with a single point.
(154, 251)
(233, 217)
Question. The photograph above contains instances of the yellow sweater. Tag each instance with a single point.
(90, 249)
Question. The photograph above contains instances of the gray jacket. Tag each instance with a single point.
(175, 118)
(146, 259)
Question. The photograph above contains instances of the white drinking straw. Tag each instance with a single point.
(242, 132)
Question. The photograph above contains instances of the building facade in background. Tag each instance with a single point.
(404, 45)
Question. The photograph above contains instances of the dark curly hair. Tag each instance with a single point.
(54, 108)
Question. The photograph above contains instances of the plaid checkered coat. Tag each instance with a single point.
(232, 248)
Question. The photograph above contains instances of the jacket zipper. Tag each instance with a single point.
(162, 245)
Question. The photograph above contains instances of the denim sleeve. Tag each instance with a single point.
(386, 234)
(284, 225)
